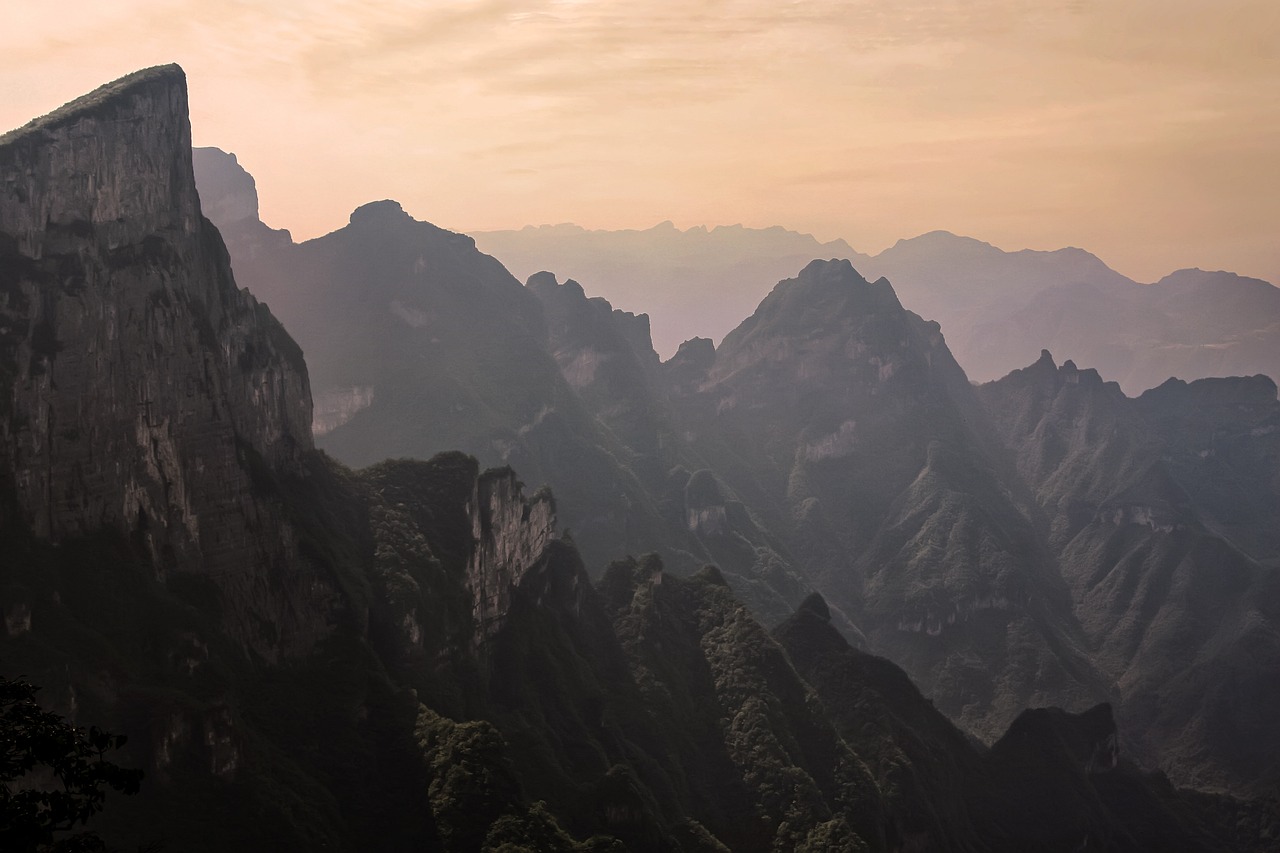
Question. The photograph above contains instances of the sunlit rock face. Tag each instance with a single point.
(510, 535)
(336, 406)
(140, 388)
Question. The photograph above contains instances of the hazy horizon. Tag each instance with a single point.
(1142, 132)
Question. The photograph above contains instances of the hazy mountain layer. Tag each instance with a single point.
(998, 309)
(1161, 509)
(831, 437)
(417, 343)
(694, 282)
(832, 442)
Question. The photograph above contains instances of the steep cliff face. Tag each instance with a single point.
(511, 535)
(142, 391)
(229, 198)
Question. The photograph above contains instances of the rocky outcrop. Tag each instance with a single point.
(229, 198)
(335, 406)
(232, 198)
(607, 357)
(510, 535)
(142, 391)
(688, 368)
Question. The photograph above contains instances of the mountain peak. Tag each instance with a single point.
(817, 605)
(938, 241)
(161, 377)
(837, 277)
(1195, 278)
(237, 197)
(544, 283)
(379, 213)
(104, 101)
(143, 181)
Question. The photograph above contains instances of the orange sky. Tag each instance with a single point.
(1147, 131)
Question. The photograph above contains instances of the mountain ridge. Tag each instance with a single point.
(998, 307)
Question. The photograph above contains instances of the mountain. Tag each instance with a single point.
(844, 422)
(1162, 511)
(418, 343)
(607, 356)
(142, 390)
(830, 443)
(389, 659)
(998, 308)
(832, 435)
(698, 281)
(1053, 781)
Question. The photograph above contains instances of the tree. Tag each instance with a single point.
(36, 745)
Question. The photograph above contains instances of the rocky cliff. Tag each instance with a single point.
(511, 535)
(142, 390)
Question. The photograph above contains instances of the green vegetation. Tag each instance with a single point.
(35, 743)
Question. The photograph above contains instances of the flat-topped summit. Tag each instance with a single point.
(383, 212)
(117, 160)
(103, 101)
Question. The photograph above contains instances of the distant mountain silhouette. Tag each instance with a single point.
(695, 282)
(998, 309)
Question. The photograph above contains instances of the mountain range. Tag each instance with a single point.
(998, 308)
(832, 443)
(417, 654)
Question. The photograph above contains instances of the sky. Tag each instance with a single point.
(1146, 131)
